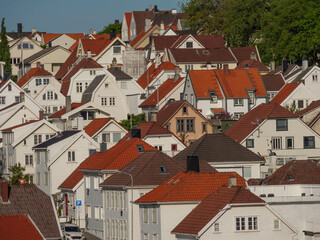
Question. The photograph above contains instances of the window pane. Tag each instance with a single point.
(116, 137)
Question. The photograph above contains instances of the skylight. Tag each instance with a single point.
(140, 148)
(162, 169)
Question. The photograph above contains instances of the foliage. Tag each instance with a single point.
(136, 120)
(17, 173)
(223, 116)
(113, 27)
(5, 49)
(292, 108)
(183, 137)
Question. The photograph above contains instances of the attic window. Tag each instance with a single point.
(140, 148)
(189, 44)
(290, 178)
(162, 169)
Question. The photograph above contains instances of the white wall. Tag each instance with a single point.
(63, 41)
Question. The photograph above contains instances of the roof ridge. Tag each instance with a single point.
(235, 194)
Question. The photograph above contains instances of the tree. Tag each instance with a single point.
(113, 27)
(136, 120)
(5, 49)
(17, 173)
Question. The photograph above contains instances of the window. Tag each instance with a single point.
(9, 87)
(154, 215)
(247, 172)
(96, 182)
(184, 110)
(145, 237)
(123, 85)
(92, 72)
(46, 179)
(154, 236)
(252, 96)
(105, 137)
(158, 147)
(189, 44)
(190, 123)
(24, 142)
(250, 143)
(237, 115)
(28, 159)
(31, 179)
(2, 100)
(204, 127)
(213, 97)
(112, 101)
(300, 104)
(104, 101)
(17, 99)
(116, 49)
(238, 102)
(96, 212)
(308, 142)
(79, 87)
(174, 147)
(49, 95)
(216, 227)
(247, 223)
(38, 178)
(282, 124)
(38, 81)
(180, 125)
(71, 156)
(315, 77)
(45, 81)
(25, 45)
(145, 215)
(276, 224)
(116, 137)
(168, 126)
(88, 211)
(276, 143)
(37, 139)
(289, 143)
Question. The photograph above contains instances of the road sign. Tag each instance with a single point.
(78, 203)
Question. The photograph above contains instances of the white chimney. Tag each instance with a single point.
(304, 64)
(147, 24)
(174, 11)
(162, 30)
(34, 30)
(158, 62)
(89, 53)
(80, 122)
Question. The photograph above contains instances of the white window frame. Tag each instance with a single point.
(97, 213)
(237, 102)
(145, 215)
(216, 227)
(88, 207)
(247, 223)
(276, 143)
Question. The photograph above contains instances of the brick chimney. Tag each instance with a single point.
(41, 114)
(4, 191)
(38, 64)
(193, 163)
(226, 68)
(22, 97)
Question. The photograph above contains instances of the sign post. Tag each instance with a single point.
(78, 204)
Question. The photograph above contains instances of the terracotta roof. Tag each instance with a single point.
(217, 110)
(148, 76)
(273, 82)
(63, 110)
(28, 199)
(189, 186)
(236, 82)
(168, 110)
(18, 227)
(83, 64)
(253, 64)
(311, 107)
(96, 46)
(149, 169)
(96, 125)
(48, 37)
(285, 91)
(246, 124)
(73, 179)
(161, 92)
(243, 53)
(32, 73)
(295, 172)
(203, 81)
(209, 207)
(20, 125)
(67, 64)
(216, 148)
(215, 55)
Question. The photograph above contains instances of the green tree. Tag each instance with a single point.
(5, 49)
(17, 173)
(136, 120)
(113, 27)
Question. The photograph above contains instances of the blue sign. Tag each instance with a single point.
(78, 203)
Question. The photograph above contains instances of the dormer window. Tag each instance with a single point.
(162, 169)
(252, 97)
(189, 44)
(213, 97)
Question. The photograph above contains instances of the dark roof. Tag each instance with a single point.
(295, 72)
(301, 75)
(87, 94)
(278, 70)
(216, 148)
(146, 170)
(61, 136)
(243, 53)
(40, 54)
(119, 74)
(273, 82)
(28, 199)
(295, 172)
(168, 110)
(209, 207)
(16, 35)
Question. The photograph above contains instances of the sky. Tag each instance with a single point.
(72, 16)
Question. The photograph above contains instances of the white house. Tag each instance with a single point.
(233, 213)
(60, 156)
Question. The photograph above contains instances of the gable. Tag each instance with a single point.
(190, 42)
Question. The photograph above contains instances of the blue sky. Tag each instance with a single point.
(72, 16)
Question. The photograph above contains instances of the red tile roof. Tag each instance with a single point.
(63, 110)
(253, 64)
(314, 105)
(20, 125)
(295, 172)
(161, 92)
(247, 123)
(128, 16)
(18, 227)
(235, 82)
(47, 37)
(67, 64)
(243, 53)
(96, 46)
(199, 217)
(153, 72)
(96, 125)
(32, 73)
(273, 82)
(203, 81)
(285, 91)
(83, 64)
(190, 186)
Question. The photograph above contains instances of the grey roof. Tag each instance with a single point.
(39, 54)
(119, 75)
(87, 94)
(301, 75)
(16, 35)
(293, 73)
(61, 136)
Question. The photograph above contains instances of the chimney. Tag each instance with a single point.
(68, 104)
(114, 63)
(176, 73)
(80, 122)
(284, 65)
(155, 9)
(112, 35)
(116, 21)
(41, 114)
(232, 181)
(208, 65)
(193, 163)
(158, 62)
(272, 65)
(135, 133)
(226, 68)
(38, 65)
(4, 191)
(89, 53)
(304, 64)
(147, 24)
(103, 147)
(174, 11)
(150, 7)
(34, 30)
(22, 97)
(20, 28)
(162, 30)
